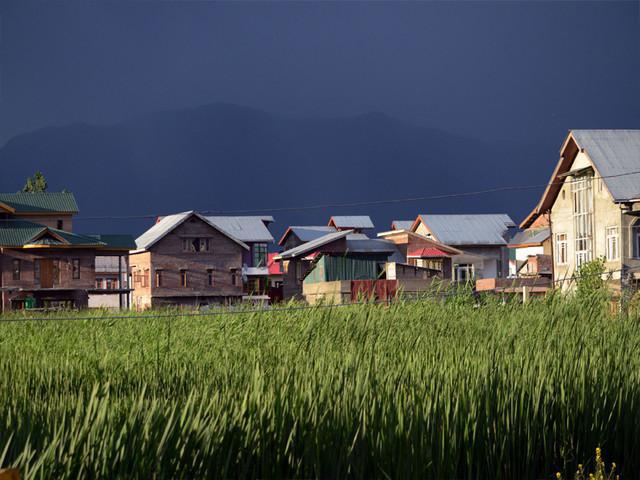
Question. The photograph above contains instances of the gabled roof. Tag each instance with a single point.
(18, 233)
(530, 237)
(247, 229)
(167, 224)
(360, 243)
(427, 253)
(39, 202)
(434, 244)
(401, 224)
(306, 233)
(313, 244)
(465, 229)
(351, 221)
(614, 154)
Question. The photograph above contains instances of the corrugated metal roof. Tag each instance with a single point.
(614, 152)
(313, 244)
(465, 229)
(530, 236)
(247, 229)
(402, 224)
(307, 233)
(427, 253)
(16, 233)
(120, 242)
(40, 202)
(351, 221)
(170, 222)
(369, 245)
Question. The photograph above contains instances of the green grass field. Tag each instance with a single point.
(425, 389)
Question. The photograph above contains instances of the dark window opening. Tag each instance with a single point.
(16, 269)
(210, 277)
(76, 268)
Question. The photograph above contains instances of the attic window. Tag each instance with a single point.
(60, 224)
(195, 245)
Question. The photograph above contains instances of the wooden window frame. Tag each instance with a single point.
(184, 278)
(612, 243)
(562, 258)
(75, 269)
(16, 269)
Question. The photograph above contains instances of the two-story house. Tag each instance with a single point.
(43, 264)
(254, 232)
(193, 260)
(592, 204)
(482, 238)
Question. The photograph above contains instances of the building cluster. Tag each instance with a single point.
(589, 209)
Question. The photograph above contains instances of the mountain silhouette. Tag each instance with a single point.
(228, 158)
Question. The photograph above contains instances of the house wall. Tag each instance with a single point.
(224, 255)
(48, 220)
(27, 280)
(488, 266)
(605, 214)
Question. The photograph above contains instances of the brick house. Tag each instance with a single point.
(43, 264)
(186, 259)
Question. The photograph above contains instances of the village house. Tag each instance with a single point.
(325, 267)
(592, 204)
(43, 264)
(192, 260)
(482, 238)
(254, 232)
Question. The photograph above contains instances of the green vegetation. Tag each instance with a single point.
(426, 389)
(37, 183)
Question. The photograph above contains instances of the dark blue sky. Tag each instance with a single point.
(504, 70)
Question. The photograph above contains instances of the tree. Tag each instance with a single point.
(37, 183)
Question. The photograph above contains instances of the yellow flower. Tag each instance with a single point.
(558, 476)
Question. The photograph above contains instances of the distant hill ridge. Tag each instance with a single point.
(230, 157)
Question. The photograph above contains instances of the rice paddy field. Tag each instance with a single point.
(428, 389)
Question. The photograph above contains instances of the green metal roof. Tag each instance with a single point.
(17, 233)
(40, 202)
(119, 242)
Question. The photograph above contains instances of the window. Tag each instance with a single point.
(210, 277)
(613, 243)
(463, 272)
(145, 278)
(635, 239)
(183, 278)
(299, 272)
(75, 266)
(158, 278)
(233, 277)
(16, 269)
(60, 225)
(99, 282)
(36, 270)
(260, 255)
(561, 248)
(195, 245)
(111, 283)
(582, 217)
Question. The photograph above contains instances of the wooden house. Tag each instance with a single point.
(189, 259)
(43, 264)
